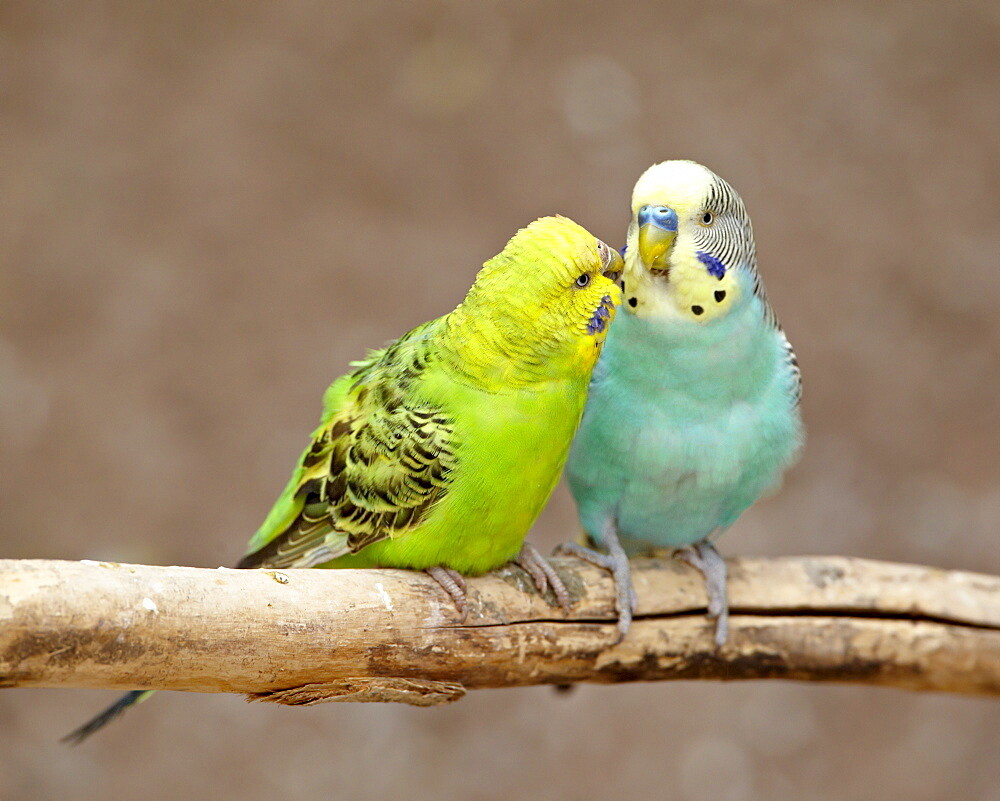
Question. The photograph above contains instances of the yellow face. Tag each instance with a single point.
(596, 302)
(689, 233)
(580, 301)
(541, 309)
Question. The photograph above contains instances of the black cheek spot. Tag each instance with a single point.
(632, 302)
(720, 295)
(697, 309)
(623, 285)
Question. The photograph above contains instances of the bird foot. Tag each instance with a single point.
(543, 574)
(453, 583)
(704, 558)
(621, 571)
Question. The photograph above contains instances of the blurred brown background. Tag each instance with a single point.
(207, 211)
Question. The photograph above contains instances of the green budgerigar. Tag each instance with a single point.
(438, 452)
(694, 406)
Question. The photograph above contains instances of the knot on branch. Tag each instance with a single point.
(366, 689)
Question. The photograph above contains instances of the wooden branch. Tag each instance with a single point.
(304, 636)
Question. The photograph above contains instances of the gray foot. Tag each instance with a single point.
(703, 557)
(452, 583)
(542, 573)
(617, 562)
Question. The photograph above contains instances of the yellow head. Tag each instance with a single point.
(541, 308)
(690, 251)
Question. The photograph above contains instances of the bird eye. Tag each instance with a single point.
(707, 218)
(583, 280)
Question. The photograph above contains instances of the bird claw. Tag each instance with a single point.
(543, 574)
(453, 583)
(703, 557)
(617, 563)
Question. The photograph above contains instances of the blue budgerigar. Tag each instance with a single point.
(693, 410)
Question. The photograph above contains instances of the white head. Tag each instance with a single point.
(690, 249)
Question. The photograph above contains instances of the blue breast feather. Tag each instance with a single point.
(685, 427)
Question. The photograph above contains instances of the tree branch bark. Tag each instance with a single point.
(305, 636)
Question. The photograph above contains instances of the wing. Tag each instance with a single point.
(792, 364)
(375, 468)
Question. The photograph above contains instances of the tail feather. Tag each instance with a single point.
(130, 699)
(114, 711)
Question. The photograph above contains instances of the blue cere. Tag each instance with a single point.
(662, 217)
(715, 267)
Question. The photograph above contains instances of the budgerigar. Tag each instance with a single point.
(694, 406)
(438, 452)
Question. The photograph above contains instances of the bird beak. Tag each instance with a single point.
(612, 264)
(657, 232)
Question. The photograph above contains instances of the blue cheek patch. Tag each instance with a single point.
(623, 250)
(712, 264)
(599, 321)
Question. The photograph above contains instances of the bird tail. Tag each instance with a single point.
(77, 736)
(113, 712)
